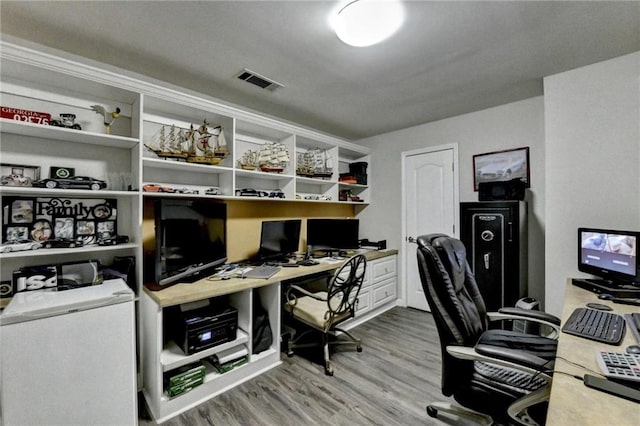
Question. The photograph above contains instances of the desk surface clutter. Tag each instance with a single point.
(205, 288)
(571, 402)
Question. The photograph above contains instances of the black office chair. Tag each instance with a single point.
(325, 310)
(503, 376)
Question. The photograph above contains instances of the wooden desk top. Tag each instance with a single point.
(571, 402)
(206, 288)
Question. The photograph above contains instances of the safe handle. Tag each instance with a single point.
(486, 257)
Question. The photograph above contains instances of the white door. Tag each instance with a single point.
(430, 203)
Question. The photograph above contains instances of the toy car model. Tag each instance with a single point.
(154, 187)
(66, 120)
(114, 240)
(62, 243)
(214, 190)
(250, 192)
(276, 193)
(19, 245)
(185, 190)
(73, 182)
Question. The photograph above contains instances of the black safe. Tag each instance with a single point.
(494, 234)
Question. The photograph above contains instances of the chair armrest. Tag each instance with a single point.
(292, 297)
(549, 320)
(507, 357)
(520, 357)
(539, 315)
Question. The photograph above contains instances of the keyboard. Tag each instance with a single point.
(619, 365)
(601, 326)
(263, 271)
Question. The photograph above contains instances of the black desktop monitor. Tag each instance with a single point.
(190, 239)
(279, 239)
(333, 234)
(609, 254)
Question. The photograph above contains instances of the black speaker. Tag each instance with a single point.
(499, 191)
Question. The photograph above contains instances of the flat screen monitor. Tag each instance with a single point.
(279, 239)
(609, 254)
(190, 239)
(333, 234)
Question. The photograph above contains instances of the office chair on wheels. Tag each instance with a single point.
(325, 310)
(498, 376)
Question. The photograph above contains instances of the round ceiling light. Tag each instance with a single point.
(363, 23)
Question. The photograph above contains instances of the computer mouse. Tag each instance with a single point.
(633, 349)
(605, 296)
(599, 306)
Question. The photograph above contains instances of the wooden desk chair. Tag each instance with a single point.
(325, 310)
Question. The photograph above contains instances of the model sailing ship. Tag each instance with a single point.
(273, 157)
(249, 160)
(315, 163)
(203, 151)
(169, 144)
(201, 146)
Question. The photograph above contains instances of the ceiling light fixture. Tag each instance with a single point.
(363, 23)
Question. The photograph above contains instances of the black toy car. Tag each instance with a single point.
(73, 182)
(250, 192)
(62, 243)
(113, 240)
(276, 193)
(67, 121)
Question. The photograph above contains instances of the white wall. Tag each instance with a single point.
(592, 117)
(513, 125)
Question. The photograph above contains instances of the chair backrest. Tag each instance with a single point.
(455, 301)
(344, 286)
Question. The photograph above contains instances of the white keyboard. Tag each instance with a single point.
(619, 365)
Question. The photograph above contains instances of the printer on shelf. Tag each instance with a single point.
(201, 325)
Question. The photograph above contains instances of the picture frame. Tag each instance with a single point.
(502, 166)
(18, 174)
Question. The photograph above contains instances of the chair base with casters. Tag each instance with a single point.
(324, 311)
(293, 344)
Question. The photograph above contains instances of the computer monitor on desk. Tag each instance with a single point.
(610, 255)
(332, 235)
(279, 239)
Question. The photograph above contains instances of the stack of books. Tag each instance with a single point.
(184, 379)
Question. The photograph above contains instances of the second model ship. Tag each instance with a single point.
(202, 145)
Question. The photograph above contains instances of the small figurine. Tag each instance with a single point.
(66, 120)
(109, 117)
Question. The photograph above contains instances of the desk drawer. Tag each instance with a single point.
(384, 292)
(364, 301)
(367, 279)
(383, 269)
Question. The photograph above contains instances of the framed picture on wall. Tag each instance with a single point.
(501, 166)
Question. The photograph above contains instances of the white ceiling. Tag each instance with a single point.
(450, 57)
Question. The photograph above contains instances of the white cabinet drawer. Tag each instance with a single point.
(383, 269)
(367, 279)
(384, 292)
(364, 301)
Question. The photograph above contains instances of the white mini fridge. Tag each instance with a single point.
(68, 357)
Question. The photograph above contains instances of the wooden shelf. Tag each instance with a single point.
(65, 135)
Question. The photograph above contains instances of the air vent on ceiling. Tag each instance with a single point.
(258, 80)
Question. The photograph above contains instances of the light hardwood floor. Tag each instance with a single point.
(389, 383)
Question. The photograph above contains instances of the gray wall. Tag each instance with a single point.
(592, 160)
(508, 126)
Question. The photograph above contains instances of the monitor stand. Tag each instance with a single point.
(609, 287)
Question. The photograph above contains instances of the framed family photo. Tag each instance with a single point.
(501, 166)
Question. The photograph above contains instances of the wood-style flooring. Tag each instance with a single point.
(389, 383)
